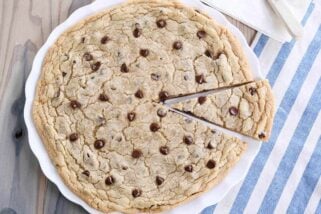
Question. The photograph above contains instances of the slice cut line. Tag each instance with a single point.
(215, 127)
(176, 99)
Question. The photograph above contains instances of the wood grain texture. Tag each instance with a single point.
(24, 27)
(248, 32)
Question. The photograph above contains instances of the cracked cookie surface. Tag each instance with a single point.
(95, 105)
(247, 109)
(153, 162)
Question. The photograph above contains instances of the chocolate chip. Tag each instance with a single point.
(202, 100)
(211, 164)
(178, 45)
(136, 193)
(103, 98)
(164, 150)
(161, 112)
(88, 56)
(233, 111)
(154, 127)
(213, 131)
(209, 146)
(163, 95)
(188, 168)
(95, 66)
(262, 135)
(159, 180)
(139, 94)
(73, 137)
(104, 40)
(86, 172)
(124, 68)
(64, 74)
(131, 116)
(75, 104)
(137, 153)
(144, 52)
(188, 140)
(209, 54)
(109, 180)
(83, 39)
(200, 79)
(201, 34)
(137, 32)
(124, 168)
(99, 144)
(161, 23)
(155, 77)
(252, 91)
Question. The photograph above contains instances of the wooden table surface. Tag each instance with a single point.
(24, 27)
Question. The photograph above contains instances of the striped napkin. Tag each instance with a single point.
(285, 175)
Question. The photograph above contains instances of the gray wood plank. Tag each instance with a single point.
(25, 24)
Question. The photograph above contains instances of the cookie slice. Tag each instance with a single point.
(247, 109)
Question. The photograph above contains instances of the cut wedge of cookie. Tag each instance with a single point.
(247, 109)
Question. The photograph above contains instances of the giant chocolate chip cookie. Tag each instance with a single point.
(98, 112)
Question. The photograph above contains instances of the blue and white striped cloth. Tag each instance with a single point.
(285, 175)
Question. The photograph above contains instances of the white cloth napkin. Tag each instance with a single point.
(259, 15)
